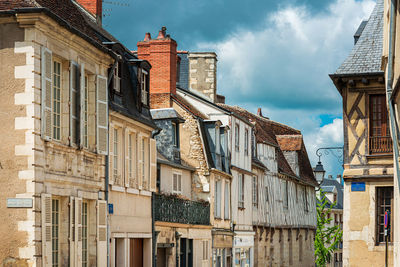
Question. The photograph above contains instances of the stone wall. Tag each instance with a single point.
(203, 74)
(284, 247)
(12, 182)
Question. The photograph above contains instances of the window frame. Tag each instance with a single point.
(144, 92)
(379, 215)
(255, 191)
(85, 229)
(178, 189)
(116, 154)
(217, 198)
(246, 142)
(86, 114)
(241, 191)
(54, 99)
(227, 200)
(55, 228)
(237, 137)
(384, 138)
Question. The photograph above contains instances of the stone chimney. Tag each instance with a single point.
(95, 7)
(162, 55)
(203, 74)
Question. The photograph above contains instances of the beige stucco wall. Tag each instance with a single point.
(359, 227)
(166, 173)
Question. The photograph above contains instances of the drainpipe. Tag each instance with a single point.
(115, 56)
(389, 89)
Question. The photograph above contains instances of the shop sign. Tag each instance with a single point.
(19, 203)
(244, 241)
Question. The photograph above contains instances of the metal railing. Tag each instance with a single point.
(171, 208)
(380, 144)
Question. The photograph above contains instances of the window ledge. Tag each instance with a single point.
(132, 191)
(241, 208)
(383, 155)
(117, 188)
(145, 193)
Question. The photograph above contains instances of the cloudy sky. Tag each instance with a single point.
(271, 54)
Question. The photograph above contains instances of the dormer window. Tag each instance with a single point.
(117, 78)
(144, 87)
(175, 134)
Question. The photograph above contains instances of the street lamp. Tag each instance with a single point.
(319, 172)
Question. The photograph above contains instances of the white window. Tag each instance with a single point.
(237, 137)
(305, 200)
(246, 142)
(130, 156)
(217, 197)
(227, 199)
(56, 100)
(85, 261)
(116, 156)
(143, 87)
(143, 151)
(285, 194)
(117, 77)
(255, 191)
(205, 249)
(85, 112)
(55, 223)
(241, 191)
(175, 134)
(177, 183)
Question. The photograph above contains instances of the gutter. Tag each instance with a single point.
(389, 90)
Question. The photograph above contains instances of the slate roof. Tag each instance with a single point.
(183, 71)
(69, 14)
(328, 184)
(366, 55)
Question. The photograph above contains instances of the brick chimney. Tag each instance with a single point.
(95, 7)
(162, 55)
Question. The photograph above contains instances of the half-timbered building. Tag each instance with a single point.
(368, 158)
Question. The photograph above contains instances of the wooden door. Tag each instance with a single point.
(136, 252)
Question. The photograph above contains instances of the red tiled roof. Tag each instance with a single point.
(272, 132)
(290, 142)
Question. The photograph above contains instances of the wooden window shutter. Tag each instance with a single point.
(101, 233)
(78, 231)
(102, 115)
(82, 106)
(46, 230)
(74, 102)
(111, 157)
(140, 160)
(72, 231)
(46, 80)
(153, 165)
(126, 169)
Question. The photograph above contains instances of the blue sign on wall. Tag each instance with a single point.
(358, 186)
(110, 208)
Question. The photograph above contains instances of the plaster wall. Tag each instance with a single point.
(166, 180)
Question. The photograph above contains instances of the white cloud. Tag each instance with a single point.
(283, 66)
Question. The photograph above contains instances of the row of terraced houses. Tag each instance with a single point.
(115, 157)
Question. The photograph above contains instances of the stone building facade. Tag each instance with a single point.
(368, 157)
(54, 154)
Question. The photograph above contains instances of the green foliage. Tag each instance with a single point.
(327, 237)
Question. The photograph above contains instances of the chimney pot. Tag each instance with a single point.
(259, 112)
(147, 37)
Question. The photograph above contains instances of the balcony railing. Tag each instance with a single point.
(380, 144)
(176, 210)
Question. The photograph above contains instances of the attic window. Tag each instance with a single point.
(144, 87)
(117, 77)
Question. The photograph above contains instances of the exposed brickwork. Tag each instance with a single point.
(162, 55)
(93, 6)
(160, 100)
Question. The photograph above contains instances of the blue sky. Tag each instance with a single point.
(271, 54)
